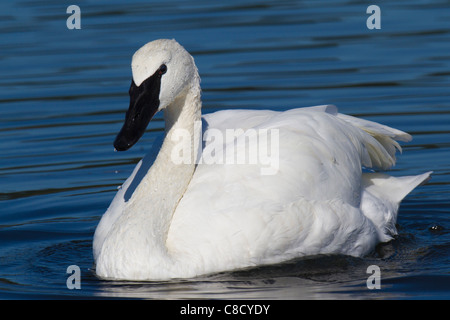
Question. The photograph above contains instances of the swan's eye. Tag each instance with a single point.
(162, 69)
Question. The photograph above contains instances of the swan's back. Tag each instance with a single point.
(320, 152)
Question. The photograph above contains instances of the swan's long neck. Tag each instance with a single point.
(163, 186)
(141, 231)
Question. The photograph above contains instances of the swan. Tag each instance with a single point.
(181, 215)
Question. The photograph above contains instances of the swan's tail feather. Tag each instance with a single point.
(380, 142)
(381, 198)
(381, 193)
(392, 189)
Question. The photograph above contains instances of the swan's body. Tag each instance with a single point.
(178, 220)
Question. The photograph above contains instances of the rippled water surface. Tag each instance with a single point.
(63, 94)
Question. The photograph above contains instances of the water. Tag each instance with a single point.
(63, 94)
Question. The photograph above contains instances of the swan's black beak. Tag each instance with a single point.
(144, 103)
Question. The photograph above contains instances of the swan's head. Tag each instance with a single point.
(162, 70)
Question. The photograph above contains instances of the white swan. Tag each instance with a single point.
(179, 219)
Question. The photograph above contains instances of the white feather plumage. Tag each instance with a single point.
(178, 221)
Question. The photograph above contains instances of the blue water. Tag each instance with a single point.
(63, 94)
